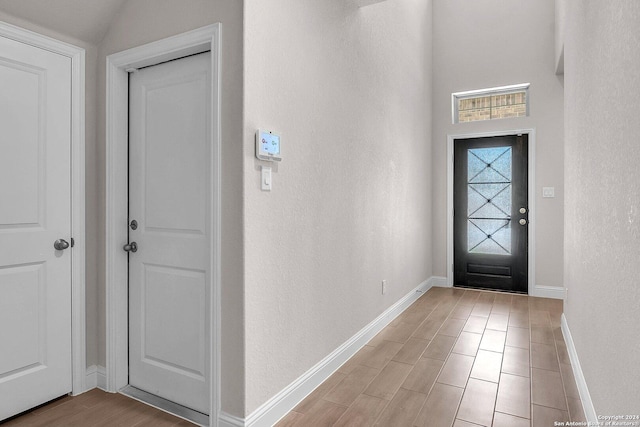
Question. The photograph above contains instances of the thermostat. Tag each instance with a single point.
(268, 146)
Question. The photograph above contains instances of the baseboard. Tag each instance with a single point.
(282, 403)
(363, 3)
(91, 380)
(439, 282)
(96, 377)
(547, 292)
(581, 383)
(227, 420)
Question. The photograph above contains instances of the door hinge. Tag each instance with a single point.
(73, 242)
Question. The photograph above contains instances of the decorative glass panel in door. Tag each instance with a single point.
(489, 200)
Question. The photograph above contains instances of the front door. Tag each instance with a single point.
(171, 204)
(491, 213)
(35, 212)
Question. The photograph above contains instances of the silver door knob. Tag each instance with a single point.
(60, 244)
(523, 221)
(131, 247)
(523, 210)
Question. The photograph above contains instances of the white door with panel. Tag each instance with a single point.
(170, 200)
(35, 212)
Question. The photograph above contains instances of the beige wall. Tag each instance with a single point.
(144, 21)
(602, 220)
(489, 43)
(349, 90)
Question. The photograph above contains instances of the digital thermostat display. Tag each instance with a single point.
(268, 146)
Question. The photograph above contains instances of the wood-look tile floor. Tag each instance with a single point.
(95, 408)
(461, 358)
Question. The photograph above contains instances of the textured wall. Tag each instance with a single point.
(602, 221)
(144, 21)
(349, 90)
(489, 43)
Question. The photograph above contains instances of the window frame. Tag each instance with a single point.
(456, 97)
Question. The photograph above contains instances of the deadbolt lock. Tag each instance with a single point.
(133, 224)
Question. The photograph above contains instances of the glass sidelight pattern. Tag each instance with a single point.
(489, 175)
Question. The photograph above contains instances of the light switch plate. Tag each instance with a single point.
(548, 192)
(265, 178)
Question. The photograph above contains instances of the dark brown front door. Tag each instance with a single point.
(491, 213)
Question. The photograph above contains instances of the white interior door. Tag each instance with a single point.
(35, 203)
(170, 198)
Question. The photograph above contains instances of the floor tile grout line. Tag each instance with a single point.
(562, 378)
(439, 372)
(447, 299)
(530, 365)
(444, 363)
(511, 415)
(469, 377)
(396, 392)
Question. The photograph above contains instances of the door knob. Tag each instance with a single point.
(523, 210)
(131, 247)
(60, 244)
(523, 221)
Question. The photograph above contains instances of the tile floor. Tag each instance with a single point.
(459, 358)
(95, 408)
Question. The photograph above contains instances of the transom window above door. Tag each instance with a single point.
(489, 104)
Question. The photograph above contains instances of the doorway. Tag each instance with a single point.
(42, 317)
(176, 221)
(452, 141)
(490, 213)
(169, 240)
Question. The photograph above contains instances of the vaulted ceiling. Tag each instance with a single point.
(86, 20)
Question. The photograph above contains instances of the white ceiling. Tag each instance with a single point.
(87, 20)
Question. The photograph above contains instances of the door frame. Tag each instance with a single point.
(117, 107)
(78, 256)
(531, 195)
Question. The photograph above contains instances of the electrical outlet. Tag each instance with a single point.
(384, 287)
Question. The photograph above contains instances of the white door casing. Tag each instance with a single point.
(41, 197)
(192, 42)
(169, 197)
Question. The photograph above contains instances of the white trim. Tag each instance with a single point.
(102, 378)
(199, 40)
(363, 3)
(91, 380)
(283, 402)
(95, 377)
(78, 316)
(501, 90)
(227, 420)
(548, 292)
(531, 196)
(491, 90)
(581, 382)
(439, 282)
